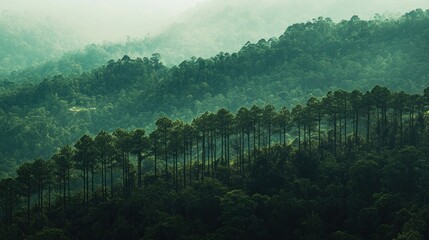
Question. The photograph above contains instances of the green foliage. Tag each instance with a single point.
(49, 234)
(348, 165)
(131, 93)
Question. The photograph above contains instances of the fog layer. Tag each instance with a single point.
(102, 20)
(114, 20)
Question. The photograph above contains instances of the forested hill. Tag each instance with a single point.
(202, 34)
(307, 60)
(26, 42)
(350, 165)
(201, 31)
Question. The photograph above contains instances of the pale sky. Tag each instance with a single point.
(114, 20)
(104, 19)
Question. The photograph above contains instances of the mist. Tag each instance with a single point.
(270, 18)
(96, 21)
(109, 20)
(213, 26)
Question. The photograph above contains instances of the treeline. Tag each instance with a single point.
(350, 165)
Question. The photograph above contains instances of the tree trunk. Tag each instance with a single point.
(228, 148)
(309, 138)
(203, 155)
(49, 193)
(340, 135)
(304, 133)
(254, 136)
(284, 135)
(62, 191)
(357, 127)
(400, 128)
(222, 136)
(299, 137)
(318, 131)
(198, 159)
(139, 170)
(68, 183)
(124, 184)
(269, 137)
(111, 178)
(248, 146)
(378, 127)
(335, 134)
(190, 160)
(259, 135)
(184, 162)
(92, 182)
(176, 173)
(41, 198)
(84, 186)
(155, 163)
(28, 207)
(166, 153)
(345, 129)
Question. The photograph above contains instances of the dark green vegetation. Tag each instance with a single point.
(357, 169)
(349, 164)
(307, 60)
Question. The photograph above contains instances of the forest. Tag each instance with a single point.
(200, 32)
(357, 169)
(320, 133)
(309, 59)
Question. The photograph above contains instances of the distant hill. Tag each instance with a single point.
(203, 31)
(29, 42)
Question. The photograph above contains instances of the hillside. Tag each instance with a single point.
(198, 32)
(30, 42)
(202, 31)
(307, 60)
(349, 165)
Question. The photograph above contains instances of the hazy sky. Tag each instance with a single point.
(114, 20)
(103, 19)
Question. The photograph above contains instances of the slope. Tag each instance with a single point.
(203, 31)
(30, 41)
(307, 60)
